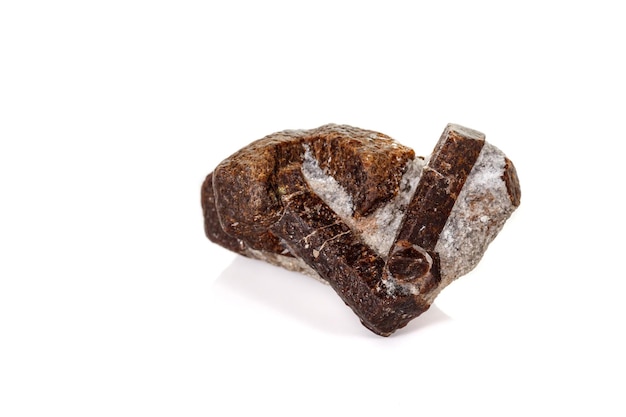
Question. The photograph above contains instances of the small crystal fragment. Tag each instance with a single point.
(354, 208)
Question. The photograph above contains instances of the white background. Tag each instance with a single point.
(112, 301)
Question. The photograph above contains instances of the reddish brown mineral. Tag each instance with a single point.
(356, 209)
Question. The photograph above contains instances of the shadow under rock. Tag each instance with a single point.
(304, 298)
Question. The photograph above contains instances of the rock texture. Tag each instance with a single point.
(354, 208)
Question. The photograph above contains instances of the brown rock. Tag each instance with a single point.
(362, 213)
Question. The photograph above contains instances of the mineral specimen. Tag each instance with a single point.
(354, 208)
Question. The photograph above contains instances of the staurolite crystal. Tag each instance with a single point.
(356, 209)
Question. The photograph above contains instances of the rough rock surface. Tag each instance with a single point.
(354, 208)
